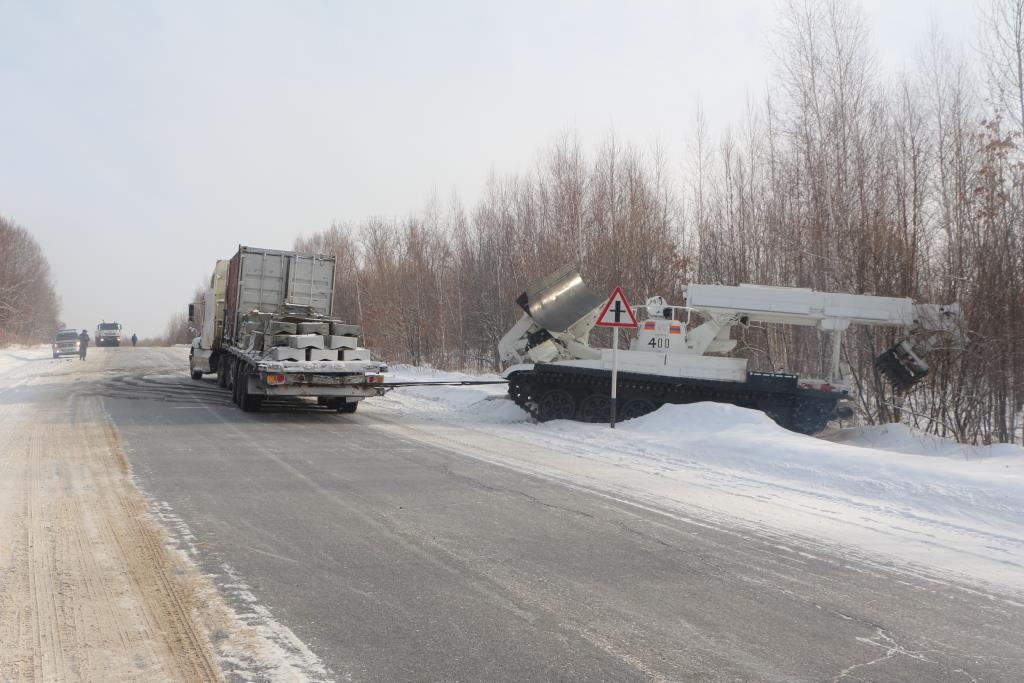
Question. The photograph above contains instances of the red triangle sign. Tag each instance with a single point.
(616, 313)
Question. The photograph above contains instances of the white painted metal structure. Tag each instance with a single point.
(668, 345)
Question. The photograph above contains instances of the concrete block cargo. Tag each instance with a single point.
(266, 322)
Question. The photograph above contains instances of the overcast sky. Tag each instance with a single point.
(141, 141)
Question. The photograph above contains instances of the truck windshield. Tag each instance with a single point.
(109, 326)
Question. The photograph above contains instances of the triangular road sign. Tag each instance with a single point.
(616, 313)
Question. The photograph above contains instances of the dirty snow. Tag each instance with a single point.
(152, 615)
(884, 493)
(272, 652)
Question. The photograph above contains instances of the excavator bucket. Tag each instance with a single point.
(558, 301)
(901, 366)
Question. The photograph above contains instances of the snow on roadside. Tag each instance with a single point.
(480, 403)
(252, 645)
(747, 440)
(886, 489)
(900, 438)
(15, 355)
(15, 359)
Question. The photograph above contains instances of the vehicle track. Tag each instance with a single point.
(184, 390)
(167, 388)
(89, 589)
(92, 586)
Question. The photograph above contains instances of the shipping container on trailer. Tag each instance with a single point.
(267, 280)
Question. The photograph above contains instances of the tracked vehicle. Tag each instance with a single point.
(554, 373)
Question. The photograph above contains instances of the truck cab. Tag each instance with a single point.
(208, 314)
(108, 334)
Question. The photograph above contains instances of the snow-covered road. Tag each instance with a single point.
(91, 586)
(882, 494)
(440, 534)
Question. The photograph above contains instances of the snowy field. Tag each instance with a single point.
(883, 494)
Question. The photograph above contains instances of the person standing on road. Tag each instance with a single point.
(135, 339)
(83, 344)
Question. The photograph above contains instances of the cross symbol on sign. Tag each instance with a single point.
(617, 312)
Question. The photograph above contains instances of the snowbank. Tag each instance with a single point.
(886, 490)
(480, 403)
(15, 355)
(900, 438)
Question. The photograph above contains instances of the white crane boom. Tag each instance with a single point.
(799, 306)
(555, 373)
(904, 363)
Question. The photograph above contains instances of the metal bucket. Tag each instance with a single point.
(559, 300)
(901, 366)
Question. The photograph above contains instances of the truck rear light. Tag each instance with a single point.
(375, 378)
(276, 378)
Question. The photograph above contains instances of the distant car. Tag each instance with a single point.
(108, 334)
(65, 343)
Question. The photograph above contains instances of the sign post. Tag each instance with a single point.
(615, 314)
(615, 372)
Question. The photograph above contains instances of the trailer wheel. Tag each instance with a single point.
(222, 371)
(348, 407)
(197, 374)
(235, 381)
(246, 401)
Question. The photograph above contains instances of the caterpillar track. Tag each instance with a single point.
(564, 392)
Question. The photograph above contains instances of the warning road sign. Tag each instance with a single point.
(617, 313)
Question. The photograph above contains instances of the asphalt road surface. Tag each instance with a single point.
(395, 560)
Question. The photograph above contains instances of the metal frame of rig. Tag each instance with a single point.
(554, 373)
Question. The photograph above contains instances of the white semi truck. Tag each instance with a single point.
(108, 334)
(268, 332)
(554, 373)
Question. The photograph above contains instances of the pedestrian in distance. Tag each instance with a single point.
(83, 344)
(135, 339)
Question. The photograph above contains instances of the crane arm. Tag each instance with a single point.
(904, 364)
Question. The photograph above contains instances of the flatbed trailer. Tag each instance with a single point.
(338, 384)
(268, 332)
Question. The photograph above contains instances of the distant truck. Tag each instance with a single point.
(268, 331)
(65, 343)
(108, 334)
